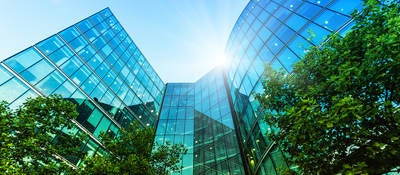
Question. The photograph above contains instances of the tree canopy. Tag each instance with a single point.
(338, 111)
(35, 136)
(131, 153)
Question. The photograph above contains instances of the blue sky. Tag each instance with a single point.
(182, 39)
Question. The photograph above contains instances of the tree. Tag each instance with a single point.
(167, 157)
(338, 112)
(35, 136)
(131, 153)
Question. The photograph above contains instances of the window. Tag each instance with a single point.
(51, 44)
(12, 89)
(24, 59)
(50, 83)
(4, 75)
(61, 55)
(70, 33)
(36, 72)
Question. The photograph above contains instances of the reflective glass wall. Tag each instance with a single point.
(96, 65)
(279, 33)
(199, 116)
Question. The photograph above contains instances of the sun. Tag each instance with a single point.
(221, 61)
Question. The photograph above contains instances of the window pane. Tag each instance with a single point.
(4, 75)
(61, 55)
(81, 75)
(84, 25)
(20, 100)
(72, 65)
(66, 89)
(24, 59)
(37, 72)
(70, 33)
(103, 126)
(50, 45)
(11, 90)
(78, 43)
(50, 83)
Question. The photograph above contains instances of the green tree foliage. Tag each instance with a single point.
(338, 112)
(167, 158)
(34, 136)
(131, 153)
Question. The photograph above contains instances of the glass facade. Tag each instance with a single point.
(279, 33)
(199, 116)
(94, 64)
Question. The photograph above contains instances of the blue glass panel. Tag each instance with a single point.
(103, 126)
(92, 34)
(331, 20)
(61, 55)
(24, 59)
(320, 2)
(105, 13)
(11, 90)
(20, 100)
(4, 75)
(71, 65)
(102, 27)
(296, 22)
(66, 89)
(106, 50)
(111, 21)
(36, 72)
(84, 25)
(87, 52)
(288, 58)
(70, 33)
(96, 18)
(271, 7)
(95, 61)
(90, 84)
(308, 10)
(276, 65)
(50, 45)
(109, 35)
(284, 33)
(346, 7)
(81, 75)
(117, 28)
(274, 44)
(78, 43)
(102, 69)
(272, 23)
(314, 33)
(292, 4)
(300, 46)
(50, 83)
(282, 13)
(99, 42)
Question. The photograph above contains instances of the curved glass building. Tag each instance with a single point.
(279, 33)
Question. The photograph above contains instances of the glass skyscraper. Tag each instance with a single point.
(279, 33)
(95, 64)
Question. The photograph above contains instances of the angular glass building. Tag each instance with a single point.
(279, 33)
(95, 64)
